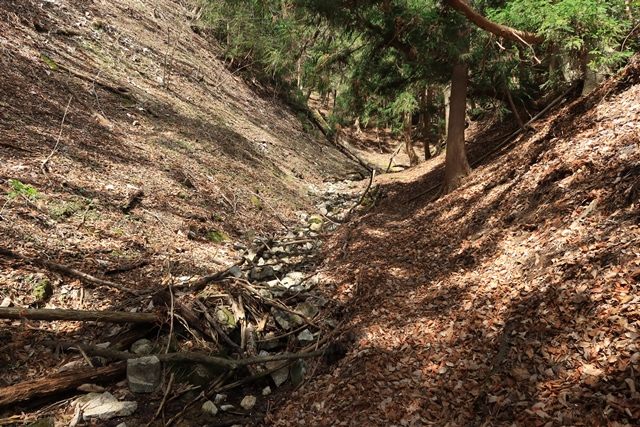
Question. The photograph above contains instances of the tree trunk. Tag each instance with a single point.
(427, 120)
(456, 164)
(413, 157)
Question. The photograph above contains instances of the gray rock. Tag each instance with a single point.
(142, 347)
(308, 309)
(283, 319)
(143, 374)
(220, 397)
(298, 369)
(266, 391)
(261, 273)
(280, 376)
(305, 337)
(104, 406)
(6, 302)
(235, 271)
(227, 407)
(248, 402)
(122, 425)
(292, 278)
(209, 407)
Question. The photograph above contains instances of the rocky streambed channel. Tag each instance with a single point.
(231, 343)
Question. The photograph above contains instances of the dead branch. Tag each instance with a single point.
(78, 315)
(217, 327)
(350, 211)
(43, 165)
(68, 271)
(57, 383)
(190, 357)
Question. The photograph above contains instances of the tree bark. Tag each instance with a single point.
(456, 163)
(79, 315)
(408, 143)
(492, 27)
(427, 120)
(58, 383)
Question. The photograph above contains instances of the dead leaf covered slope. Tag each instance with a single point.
(154, 146)
(512, 300)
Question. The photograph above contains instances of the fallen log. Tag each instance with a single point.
(58, 383)
(78, 315)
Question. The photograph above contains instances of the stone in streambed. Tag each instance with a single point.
(248, 402)
(104, 406)
(143, 374)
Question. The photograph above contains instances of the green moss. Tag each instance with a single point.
(255, 201)
(42, 290)
(217, 236)
(65, 209)
(50, 62)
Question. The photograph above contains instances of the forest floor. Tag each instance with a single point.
(511, 301)
(130, 152)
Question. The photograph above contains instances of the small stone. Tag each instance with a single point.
(122, 425)
(305, 337)
(6, 302)
(315, 226)
(308, 309)
(219, 398)
(143, 374)
(248, 402)
(209, 407)
(280, 376)
(266, 391)
(262, 273)
(298, 369)
(227, 407)
(142, 347)
(282, 319)
(235, 271)
(104, 406)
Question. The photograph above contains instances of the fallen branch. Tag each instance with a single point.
(395, 153)
(190, 357)
(57, 383)
(78, 315)
(350, 211)
(43, 165)
(63, 269)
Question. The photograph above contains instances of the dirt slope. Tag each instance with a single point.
(151, 108)
(128, 151)
(512, 301)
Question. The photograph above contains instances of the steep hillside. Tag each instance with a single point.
(102, 101)
(512, 301)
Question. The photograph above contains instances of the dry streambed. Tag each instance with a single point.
(215, 348)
